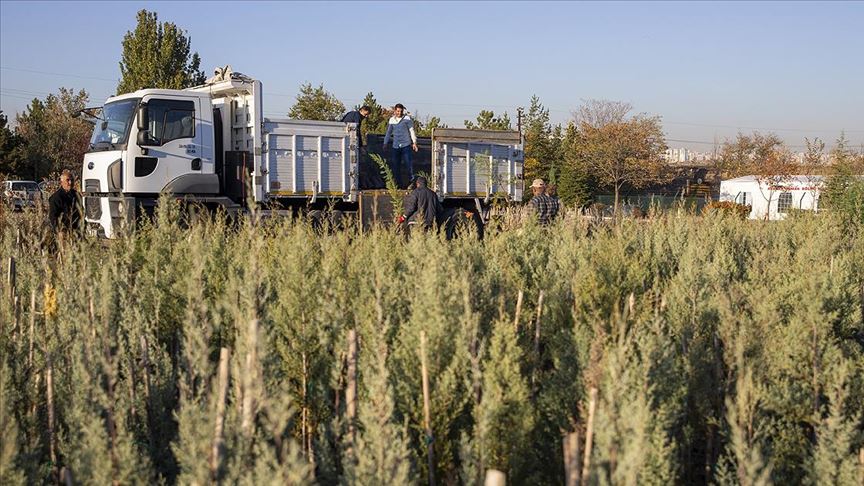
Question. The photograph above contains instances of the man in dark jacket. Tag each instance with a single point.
(64, 208)
(423, 202)
(357, 116)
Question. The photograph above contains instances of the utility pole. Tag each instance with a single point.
(519, 111)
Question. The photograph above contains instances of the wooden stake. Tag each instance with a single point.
(221, 393)
(589, 434)
(427, 423)
(32, 329)
(537, 326)
(536, 345)
(248, 378)
(495, 477)
(351, 389)
(571, 458)
(10, 277)
(49, 398)
(519, 298)
(145, 357)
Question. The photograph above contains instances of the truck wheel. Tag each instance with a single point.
(337, 219)
(316, 219)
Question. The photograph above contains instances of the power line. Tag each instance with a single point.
(56, 74)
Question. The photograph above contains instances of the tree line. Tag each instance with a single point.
(605, 147)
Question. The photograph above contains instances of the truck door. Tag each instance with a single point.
(174, 154)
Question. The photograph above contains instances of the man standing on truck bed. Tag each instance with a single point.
(401, 128)
(357, 116)
(424, 202)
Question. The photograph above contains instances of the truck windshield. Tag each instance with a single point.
(113, 128)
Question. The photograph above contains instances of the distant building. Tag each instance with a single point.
(797, 192)
(677, 155)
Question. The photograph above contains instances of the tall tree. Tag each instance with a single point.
(157, 55)
(316, 103)
(376, 122)
(9, 140)
(618, 149)
(486, 120)
(51, 139)
(573, 180)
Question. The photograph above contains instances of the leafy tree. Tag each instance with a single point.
(424, 128)
(487, 120)
(616, 149)
(763, 156)
(844, 187)
(316, 104)
(9, 140)
(376, 122)
(51, 139)
(157, 55)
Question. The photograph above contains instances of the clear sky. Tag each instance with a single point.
(708, 69)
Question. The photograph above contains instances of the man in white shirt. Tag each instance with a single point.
(400, 128)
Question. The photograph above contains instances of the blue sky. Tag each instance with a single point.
(708, 69)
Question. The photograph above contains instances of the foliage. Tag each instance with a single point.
(486, 120)
(376, 122)
(763, 156)
(617, 150)
(728, 207)
(157, 55)
(844, 186)
(316, 103)
(424, 128)
(722, 352)
(50, 138)
(9, 141)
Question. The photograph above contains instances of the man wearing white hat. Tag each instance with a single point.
(545, 206)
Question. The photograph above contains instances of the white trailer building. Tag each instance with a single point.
(773, 199)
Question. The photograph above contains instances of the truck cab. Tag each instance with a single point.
(156, 141)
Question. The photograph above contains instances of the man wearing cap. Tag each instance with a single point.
(400, 128)
(545, 206)
(423, 202)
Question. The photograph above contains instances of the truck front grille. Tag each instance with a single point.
(92, 208)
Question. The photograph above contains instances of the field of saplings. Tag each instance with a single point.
(677, 349)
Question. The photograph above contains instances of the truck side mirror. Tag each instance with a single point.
(144, 138)
(143, 117)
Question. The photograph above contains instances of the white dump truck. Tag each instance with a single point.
(211, 145)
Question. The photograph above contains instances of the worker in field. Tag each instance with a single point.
(400, 130)
(64, 206)
(424, 203)
(544, 206)
(358, 116)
